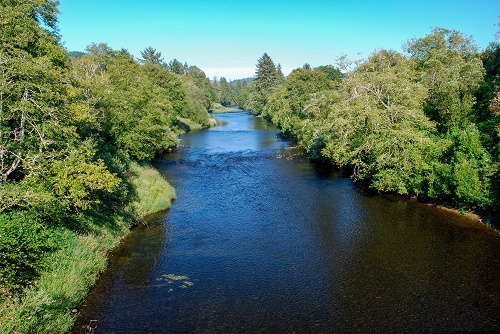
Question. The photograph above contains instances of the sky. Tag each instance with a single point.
(226, 38)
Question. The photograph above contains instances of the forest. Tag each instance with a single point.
(78, 128)
(422, 124)
(77, 133)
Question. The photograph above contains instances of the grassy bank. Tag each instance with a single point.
(46, 305)
(153, 192)
(188, 125)
(219, 108)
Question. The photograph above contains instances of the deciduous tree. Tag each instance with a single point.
(452, 71)
(379, 128)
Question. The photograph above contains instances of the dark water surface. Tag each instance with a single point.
(261, 240)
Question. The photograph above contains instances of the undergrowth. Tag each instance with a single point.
(64, 263)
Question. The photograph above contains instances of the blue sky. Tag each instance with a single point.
(225, 38)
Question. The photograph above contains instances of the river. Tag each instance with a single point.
(263, 240)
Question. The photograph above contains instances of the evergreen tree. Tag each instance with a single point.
(281, 76)
(150, 55)
(176, 67)
(225, 92)
(267, 78)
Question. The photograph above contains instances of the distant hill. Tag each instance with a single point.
(245, 80)
(76, 54)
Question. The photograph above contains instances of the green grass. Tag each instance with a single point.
(213, 122)
(154, 192)
(219, 108)
(188, 125)
(45, 306)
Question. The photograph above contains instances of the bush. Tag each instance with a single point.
(24, 244)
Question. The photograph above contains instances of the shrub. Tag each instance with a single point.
(24, 244)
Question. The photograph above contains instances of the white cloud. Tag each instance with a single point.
(235, 73)
(230, 73)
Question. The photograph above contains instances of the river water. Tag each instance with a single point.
(262, 240)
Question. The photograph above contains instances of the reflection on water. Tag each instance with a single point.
(263, 240)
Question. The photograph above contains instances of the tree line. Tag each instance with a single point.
(423, 123)
(70, 127)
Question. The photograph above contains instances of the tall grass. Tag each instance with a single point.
(153, 191)
(46, 306)
(219, 108)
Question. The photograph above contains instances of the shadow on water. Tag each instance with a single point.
(261, 239)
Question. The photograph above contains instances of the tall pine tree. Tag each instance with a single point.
(267, 78)
(150, 55)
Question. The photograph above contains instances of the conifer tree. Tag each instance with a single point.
(150, 55)
(267, 78)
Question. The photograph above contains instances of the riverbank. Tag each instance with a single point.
(489, 219)
(481, 216)
(187, 125)
(219, 108)
(358, 259)
(50, 304)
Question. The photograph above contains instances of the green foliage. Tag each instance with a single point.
(77, 179)
(24, 244)
(378, 128)
(267, 78)
(44, 165)
(198, 99)
(331, 72)
(472, 166)
(487, 109)
(202, 83)
(76, 54)
(137, 111)
(290, 103)
(195, 110)
(230, 93)
(244, 98)
(176, 67)
(224, 91)
(65, 280)
(452, 71)
(89, 84)
(150, 55)
(74, 181)
(299, 105)
(32, 90)
(169, 84)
